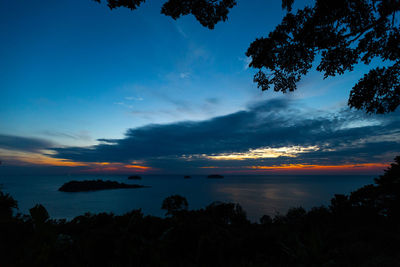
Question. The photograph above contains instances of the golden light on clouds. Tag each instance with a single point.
(44, 160)
(137, 167)
(47, 159)
(262, 153)
(102, 163)
(116, 167)
(37, 159)
(32, 158)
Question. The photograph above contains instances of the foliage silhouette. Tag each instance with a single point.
(207, 12)
(343, 33)
(384, 197)
(174, 204)
(360, 229)
(39, 214)
(131, 4)
(7, 204)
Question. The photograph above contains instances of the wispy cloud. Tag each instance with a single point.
(246, 62)
(134, 98)
(184, 75)
(82, 135)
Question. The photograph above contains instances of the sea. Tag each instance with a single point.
(257, 194)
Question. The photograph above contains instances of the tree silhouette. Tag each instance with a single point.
(174, 204)
(7, 204)
(207, 12)
(39, 214)
(342, 32)
(383, 197)
(131, 4)
(391, 175)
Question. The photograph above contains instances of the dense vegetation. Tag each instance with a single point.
(360, 229)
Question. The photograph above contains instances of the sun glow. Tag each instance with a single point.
(267, 152)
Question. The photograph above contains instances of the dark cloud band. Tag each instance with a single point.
(342, 136)
(27, 144)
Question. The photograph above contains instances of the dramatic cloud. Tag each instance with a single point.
(268, 133)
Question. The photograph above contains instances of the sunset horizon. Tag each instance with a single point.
(200, 133)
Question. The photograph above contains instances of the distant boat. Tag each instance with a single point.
(187, 177)
(135, 177)
(215, 176)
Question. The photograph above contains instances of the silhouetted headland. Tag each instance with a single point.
(135, 177)
(94, 185)
(215, 176)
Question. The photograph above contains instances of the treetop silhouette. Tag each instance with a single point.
(343, 33)
(207, 12)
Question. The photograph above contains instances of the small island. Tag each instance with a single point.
(135, 177)
(94, 185)
(187, 177)
(215, 176)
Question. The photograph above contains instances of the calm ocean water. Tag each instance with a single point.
(258, 195)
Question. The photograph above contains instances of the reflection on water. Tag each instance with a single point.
(265, 199)
(258, 195)
(273, 195)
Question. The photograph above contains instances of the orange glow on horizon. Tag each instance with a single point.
(55, 162)
(137, 167)
(320, 167)
(115, 167)
(38, 159)
(303, 168)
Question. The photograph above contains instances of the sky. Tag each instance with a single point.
(84, 89)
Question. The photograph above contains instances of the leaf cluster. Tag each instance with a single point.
(343, 33)
(207, 12)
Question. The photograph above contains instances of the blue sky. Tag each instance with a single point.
(73, 72)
